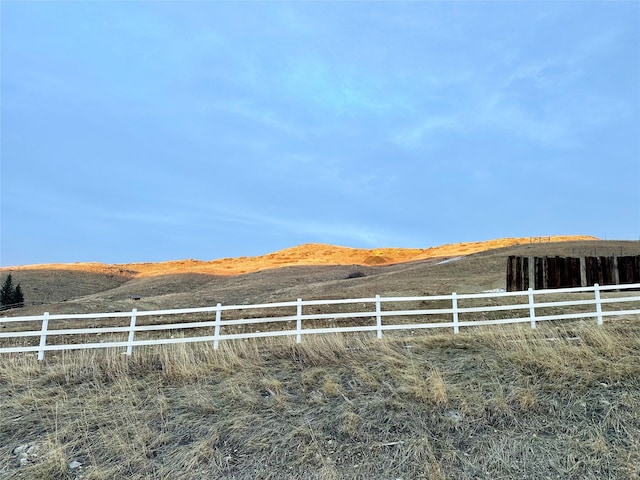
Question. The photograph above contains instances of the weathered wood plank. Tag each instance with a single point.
(563, 272)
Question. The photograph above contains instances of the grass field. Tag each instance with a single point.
(560, 401)
(557, 402)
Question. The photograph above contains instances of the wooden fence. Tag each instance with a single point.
(564, 272)
(453, 311)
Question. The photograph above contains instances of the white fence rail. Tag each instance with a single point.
(616, 302)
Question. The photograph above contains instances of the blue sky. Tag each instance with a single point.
(150, 131)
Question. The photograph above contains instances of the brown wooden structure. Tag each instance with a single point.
(560, 272)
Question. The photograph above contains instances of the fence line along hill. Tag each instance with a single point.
(408, 314)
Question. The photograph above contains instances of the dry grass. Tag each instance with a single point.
(496, 403)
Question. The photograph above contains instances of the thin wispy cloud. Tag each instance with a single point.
(537, 101)
(231, 216)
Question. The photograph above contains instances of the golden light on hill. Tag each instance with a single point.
(307, 254)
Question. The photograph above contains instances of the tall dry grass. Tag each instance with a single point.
(557, 402)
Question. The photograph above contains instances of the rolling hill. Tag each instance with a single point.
(305, 271)
(307, 254)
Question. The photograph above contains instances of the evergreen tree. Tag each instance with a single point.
(18, 297)
(9, 296)
(7, 292)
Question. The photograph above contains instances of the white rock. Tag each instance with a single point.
(448, 260)
(74, 464)
(18, 450)
(453, 415)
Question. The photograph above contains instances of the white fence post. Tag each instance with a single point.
(532, 309)
(43, 335)
(299, 321)
(454, 302)
(596, 289)
(378, 317)
(216, 331)
(132, 327)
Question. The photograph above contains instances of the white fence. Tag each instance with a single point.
(588, 302)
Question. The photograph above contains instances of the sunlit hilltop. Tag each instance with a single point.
(307, 254)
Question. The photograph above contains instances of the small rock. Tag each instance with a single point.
(23, 461)
(455, 416)
(74, 464)
(18, 450)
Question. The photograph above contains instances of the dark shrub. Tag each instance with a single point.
(355, 275)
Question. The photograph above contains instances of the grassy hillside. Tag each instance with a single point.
(109, 288)
(308, 254)
(557, 402)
